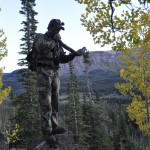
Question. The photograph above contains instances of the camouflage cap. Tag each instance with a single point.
(56, 23)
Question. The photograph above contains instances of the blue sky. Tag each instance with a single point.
(69, 11)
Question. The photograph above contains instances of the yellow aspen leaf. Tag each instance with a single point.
(122, 71)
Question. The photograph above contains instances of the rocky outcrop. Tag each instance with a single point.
(63, 142)
(3, 143)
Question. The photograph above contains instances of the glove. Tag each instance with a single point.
(81, 51)
(57, 37)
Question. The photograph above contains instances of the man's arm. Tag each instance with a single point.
(66, 58)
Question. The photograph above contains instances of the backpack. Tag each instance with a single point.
(32, 59)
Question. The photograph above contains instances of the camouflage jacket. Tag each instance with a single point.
(49, 52)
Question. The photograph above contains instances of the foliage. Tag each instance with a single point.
(137, 112)
(26, 104)
(118, 23)
(133, 40)
(3, 52)
(95, 126)
(29, 28)
(3, 92)
(144, 1)
(136, 75)
(86, 62)
(3, 49)
(13, 135)
(73, 107)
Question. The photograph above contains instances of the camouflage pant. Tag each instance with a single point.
(48, 90)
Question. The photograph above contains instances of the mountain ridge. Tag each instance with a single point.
(105, 60)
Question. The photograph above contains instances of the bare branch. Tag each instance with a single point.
(112, 12)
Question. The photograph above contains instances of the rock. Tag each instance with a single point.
(3, 143)
(63, 142)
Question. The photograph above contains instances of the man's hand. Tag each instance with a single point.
(57, 37)
(81, 51)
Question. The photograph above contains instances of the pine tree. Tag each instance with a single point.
(122, 141)
(95, 120)
(95, 134)
(27, 108)
(124, 134)
(86, 62)
(73, 107)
